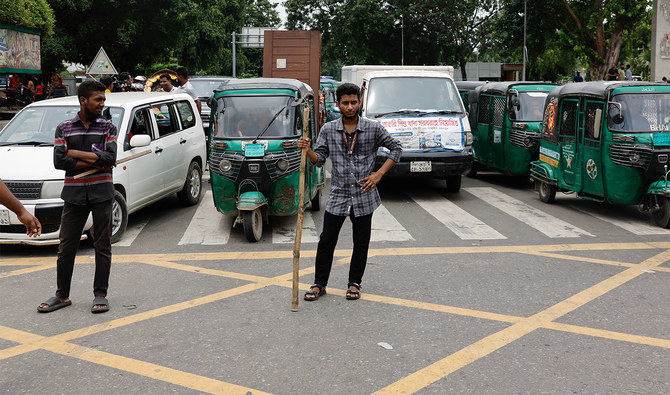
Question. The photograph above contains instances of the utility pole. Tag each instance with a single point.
(402, 40)
(523, 77)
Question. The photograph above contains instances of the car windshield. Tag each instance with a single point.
(247, 116)
(37, 125)
(412, 94)
(531, 107)
(642, 112)
(205, 87)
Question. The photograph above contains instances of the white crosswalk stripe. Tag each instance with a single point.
(637, 228)
(386, 228)
(283, 229)
(131, 234)
(541, 221)
(208, 226)
(459, 221)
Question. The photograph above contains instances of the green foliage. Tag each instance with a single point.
(29, 14)
(139, 35)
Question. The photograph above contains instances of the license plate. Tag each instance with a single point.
(254, 150)
(661, 139)
(420, 166)
(4, 217)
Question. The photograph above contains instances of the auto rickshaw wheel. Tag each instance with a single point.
(662, 214)
(474, 168)
(252, 221)
(547, 192)
(454, 183)
(316, 201)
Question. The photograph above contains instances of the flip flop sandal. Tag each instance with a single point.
(53, 304)
(100, 302)
(322, 291)
(353, 295)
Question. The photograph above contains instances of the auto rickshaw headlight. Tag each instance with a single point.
(225, 165)
(634, 157)
(282, 164)
(528, 141)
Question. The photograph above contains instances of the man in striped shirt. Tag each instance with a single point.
(82, 143)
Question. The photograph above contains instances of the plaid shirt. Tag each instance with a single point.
(100, 138)
(345, 190)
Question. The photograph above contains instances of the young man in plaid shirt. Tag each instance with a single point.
(351, 143)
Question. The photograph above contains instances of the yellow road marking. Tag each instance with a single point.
(142, 368)
(485, 346)
(27, 270)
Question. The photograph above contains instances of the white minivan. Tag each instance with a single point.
(161, 132)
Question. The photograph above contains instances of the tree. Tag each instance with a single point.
(29, 14)
(596, 29)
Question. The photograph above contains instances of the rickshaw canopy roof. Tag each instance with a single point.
(468, 85)
(599, 89)
(267, 83)
(501, 88)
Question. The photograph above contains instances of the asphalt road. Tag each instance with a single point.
(504, 304)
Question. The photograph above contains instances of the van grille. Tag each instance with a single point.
(25, 190)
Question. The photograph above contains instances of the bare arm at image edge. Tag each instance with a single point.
(33, 226)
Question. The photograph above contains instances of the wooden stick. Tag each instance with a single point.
(301, 212)
(118, 162)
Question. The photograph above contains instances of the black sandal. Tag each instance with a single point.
(353, 295)
(316, 295)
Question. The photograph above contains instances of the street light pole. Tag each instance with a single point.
(523, 77)
(234, 60)
(402, 40)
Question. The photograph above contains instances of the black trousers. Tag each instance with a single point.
(332, 224)
(71, 226)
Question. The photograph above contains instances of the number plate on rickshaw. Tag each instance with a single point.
(254, 150)
(420, 166)
(661, 139)
(4, 217)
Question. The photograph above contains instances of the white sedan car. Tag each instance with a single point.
(161, 151)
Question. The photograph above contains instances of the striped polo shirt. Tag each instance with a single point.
(99, 138)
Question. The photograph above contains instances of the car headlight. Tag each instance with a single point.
(225, 165)
(282, 164)
(51, 189)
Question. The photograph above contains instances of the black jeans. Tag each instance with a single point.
(328, 240)
(71, 226)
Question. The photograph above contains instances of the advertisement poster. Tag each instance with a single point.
(19, 51)
(426, 133)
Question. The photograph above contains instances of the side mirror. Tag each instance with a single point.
(140, 140)
(212, 103)
(614, 112)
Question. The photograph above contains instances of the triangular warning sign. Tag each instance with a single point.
(101, 64)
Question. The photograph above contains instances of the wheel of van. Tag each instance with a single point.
(192, 192)
(252, 221)
(316, 201)
(547, 192)
(662, 215)
(119, 217)
(453, 183)
(474, 168)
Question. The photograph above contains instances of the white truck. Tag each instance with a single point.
(421, 107)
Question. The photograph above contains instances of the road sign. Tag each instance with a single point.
(101, 64)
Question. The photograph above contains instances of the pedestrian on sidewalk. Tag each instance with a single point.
(84, 142)
(351, 143)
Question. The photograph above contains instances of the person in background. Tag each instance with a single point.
(629, 73)
(186, 87)
(33, 226)
(108, 82)
(612, 73)
(166, 83)
(57, 89)
(622, 72)
(578, 77)
(39, 90)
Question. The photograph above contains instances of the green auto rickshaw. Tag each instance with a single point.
(464, 89)
(607, 141)
(254, 158)
(505, 119)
